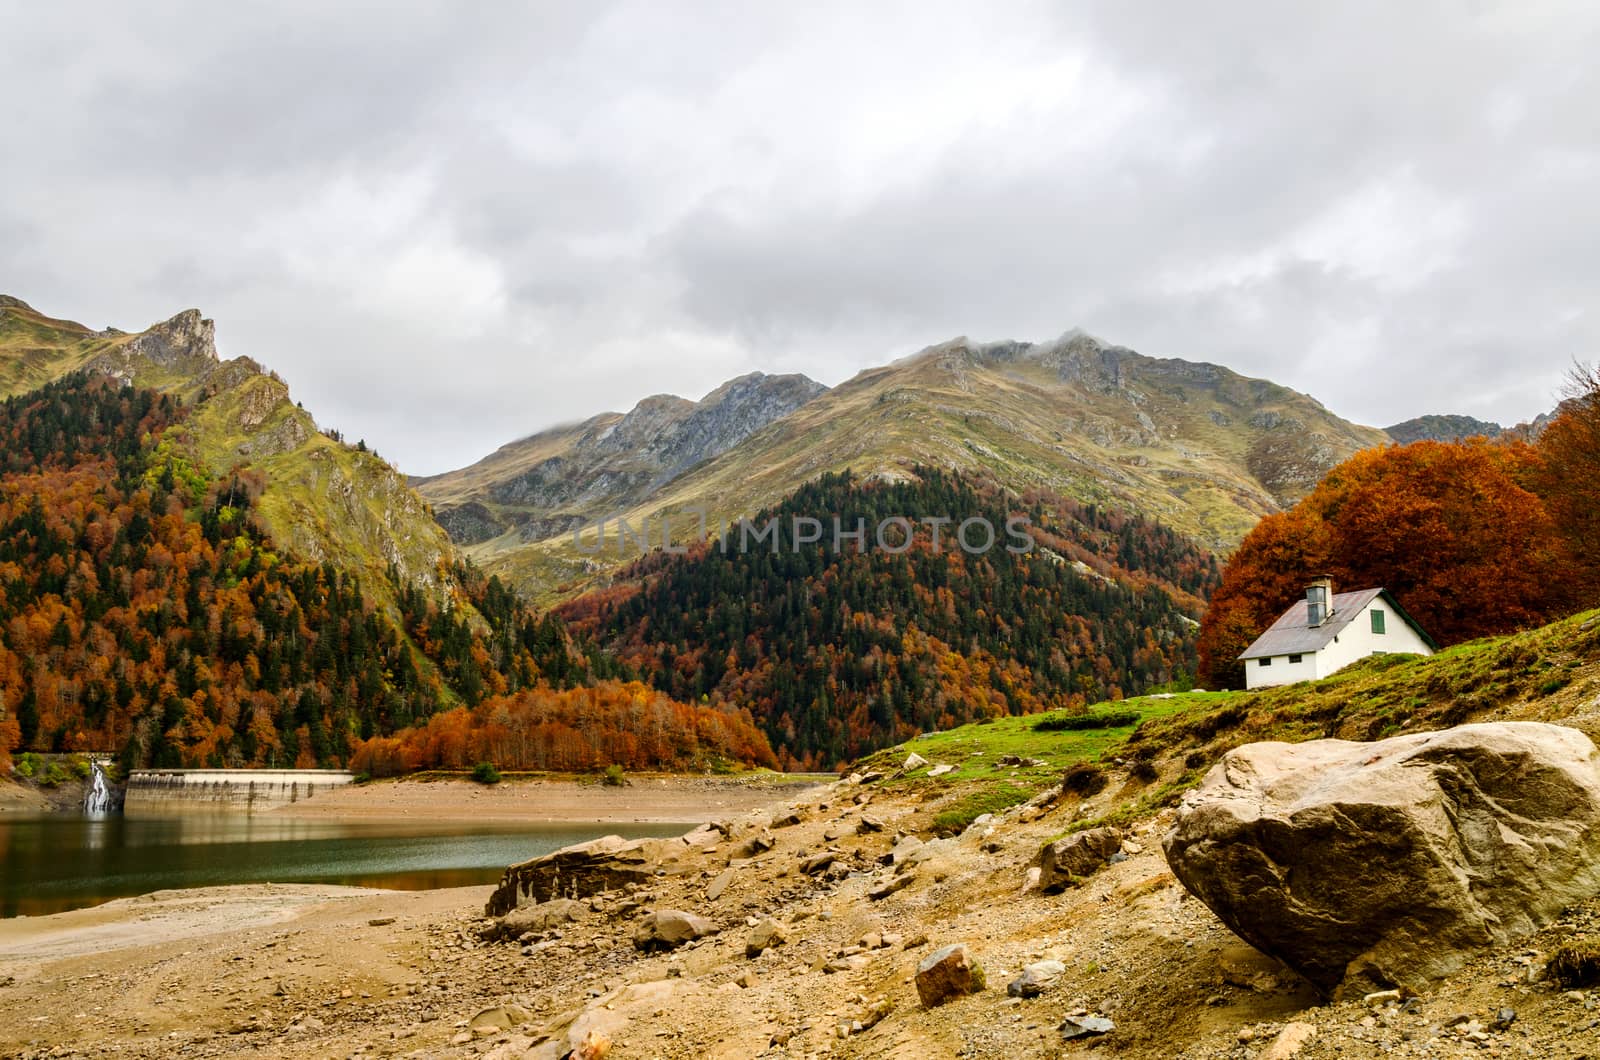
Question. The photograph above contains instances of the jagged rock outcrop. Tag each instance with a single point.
(578, 871)
(187, 343)
(1373, 865)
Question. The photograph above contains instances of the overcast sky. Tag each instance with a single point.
(449, 226)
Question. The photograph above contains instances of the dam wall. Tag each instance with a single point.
(163, 792)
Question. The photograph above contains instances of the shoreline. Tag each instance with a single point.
(644, 799)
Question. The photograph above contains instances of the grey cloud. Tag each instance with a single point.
(449, 226)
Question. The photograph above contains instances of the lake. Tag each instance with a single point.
(52, 863)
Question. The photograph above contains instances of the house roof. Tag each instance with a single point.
(1291, 635)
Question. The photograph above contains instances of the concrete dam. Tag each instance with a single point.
(163, 792)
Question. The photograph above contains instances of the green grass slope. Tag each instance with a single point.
(1550, 674)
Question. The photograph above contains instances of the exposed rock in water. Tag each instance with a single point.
(1372, 865)
(604, 864)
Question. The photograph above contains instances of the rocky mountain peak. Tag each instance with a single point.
(10, 302)
(187, 336)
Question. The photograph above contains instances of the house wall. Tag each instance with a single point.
(1355, 641)
(1281, 672)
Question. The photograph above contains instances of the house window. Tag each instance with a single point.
(1266, 662)
(1377, 621)
(1293, 659)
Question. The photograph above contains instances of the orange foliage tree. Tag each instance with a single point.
(1454, 530)
(572, 730)
(1569, 477)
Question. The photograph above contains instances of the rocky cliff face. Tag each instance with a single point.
(1442, 429)
(544, 485)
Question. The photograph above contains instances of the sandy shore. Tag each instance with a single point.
(644, 799)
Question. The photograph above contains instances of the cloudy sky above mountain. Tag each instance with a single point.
(450, 225)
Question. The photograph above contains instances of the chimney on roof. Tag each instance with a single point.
(1319, 601)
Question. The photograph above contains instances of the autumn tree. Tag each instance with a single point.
(1570, 476)
(1453, 530)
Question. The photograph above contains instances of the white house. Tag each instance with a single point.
(1324, 633)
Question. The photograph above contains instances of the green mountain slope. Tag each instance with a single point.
(1195, 446)
(327, 501)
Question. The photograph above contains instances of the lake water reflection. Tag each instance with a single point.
(49, 864)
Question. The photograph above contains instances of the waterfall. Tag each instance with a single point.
(98, 799)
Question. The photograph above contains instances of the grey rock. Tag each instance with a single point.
(1085, 1027)
(1036, 978)
(1074, 857)
(1373, 865)
(667, 929)
(541, 917)
(579, 871)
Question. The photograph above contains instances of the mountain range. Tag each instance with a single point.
(320, 601)
(1192, 445)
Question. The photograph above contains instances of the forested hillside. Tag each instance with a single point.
(144, 610)
(837, 653)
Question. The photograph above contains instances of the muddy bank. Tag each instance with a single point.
(644, 799)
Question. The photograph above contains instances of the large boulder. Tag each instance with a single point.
(1374, 865)
(578, 871)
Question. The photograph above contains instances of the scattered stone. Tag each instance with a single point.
(764, 936)
(1293, 1038)
(1430, 847)
(667, 929)
(1247, 967)
(545, 916)
(941, 770)
(1074, 857)
(868, 824)
(499, 1018)
(715, 888)
(380, 921)
(756, 844)
(894, 883)
(788, 820)
(903, 848)
(1085, 1027)
(913, 761)
(946, 974)
(817, 862)
(1036, 978)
